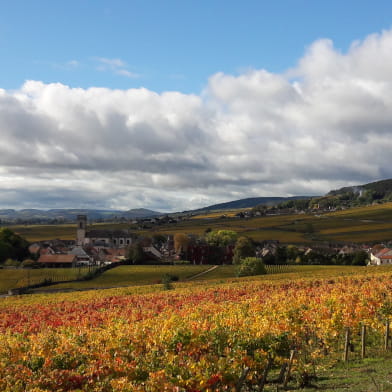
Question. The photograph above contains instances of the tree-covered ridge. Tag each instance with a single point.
(351, 196)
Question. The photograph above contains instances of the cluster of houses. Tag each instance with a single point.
(101, 247)
(94, 247)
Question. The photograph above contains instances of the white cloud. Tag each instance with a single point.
(325, 124)
(73, 63)
(116, 66)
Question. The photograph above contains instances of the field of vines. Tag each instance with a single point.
(15, 278)
(235, 336)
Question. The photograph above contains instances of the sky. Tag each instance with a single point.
(174, 105)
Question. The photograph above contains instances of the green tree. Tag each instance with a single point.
(251, 266)
(5, 251)
(221, 237)
(360, 258)
(216, 255)
(12, 245)
(281, 255)
(244, 247)
(135, 253)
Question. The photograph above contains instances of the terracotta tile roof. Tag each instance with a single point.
(57, 259)
(116, 251)
(382, 252)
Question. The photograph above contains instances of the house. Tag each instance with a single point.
(82, 257)
(58, 260)
(381, 257)
(111, 255)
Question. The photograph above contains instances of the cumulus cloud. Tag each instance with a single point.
(324, 124)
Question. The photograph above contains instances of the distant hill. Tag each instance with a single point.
(248, 203)
(69, 215)
(379, 192)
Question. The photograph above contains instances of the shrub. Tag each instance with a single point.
(251, 266)
(28, 263)
(11, 263)
(243, 248)
(167, 280)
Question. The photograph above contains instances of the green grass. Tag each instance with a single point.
(371, 374)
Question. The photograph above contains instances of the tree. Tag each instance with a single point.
(280, 255)
(12, 245)
(215, 255)
(221, 237)
(181, 242)
(360, 258)
(135, 253)
(5, 251)
(251, 266)
(243, 248)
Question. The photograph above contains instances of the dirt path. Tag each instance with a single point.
(203, 273)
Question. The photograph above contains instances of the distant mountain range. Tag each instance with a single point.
(379, 191)
(69, 215)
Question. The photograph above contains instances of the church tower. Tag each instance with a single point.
(81, 229)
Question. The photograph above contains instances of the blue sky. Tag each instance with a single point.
(174, 105)
(169, 45)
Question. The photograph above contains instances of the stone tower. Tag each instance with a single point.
(81, 229)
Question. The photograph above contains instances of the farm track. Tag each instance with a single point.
(214, 267)
(69, 290)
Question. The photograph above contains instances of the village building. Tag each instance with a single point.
(381, 257)
(58, 260)
(101, 238)
(82, 257)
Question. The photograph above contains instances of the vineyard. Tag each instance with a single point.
(362, 224)
(17, 278)
(244, 335)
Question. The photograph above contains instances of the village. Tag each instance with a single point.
(104, 247)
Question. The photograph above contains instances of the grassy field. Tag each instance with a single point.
(368, 375)
(364, 224)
